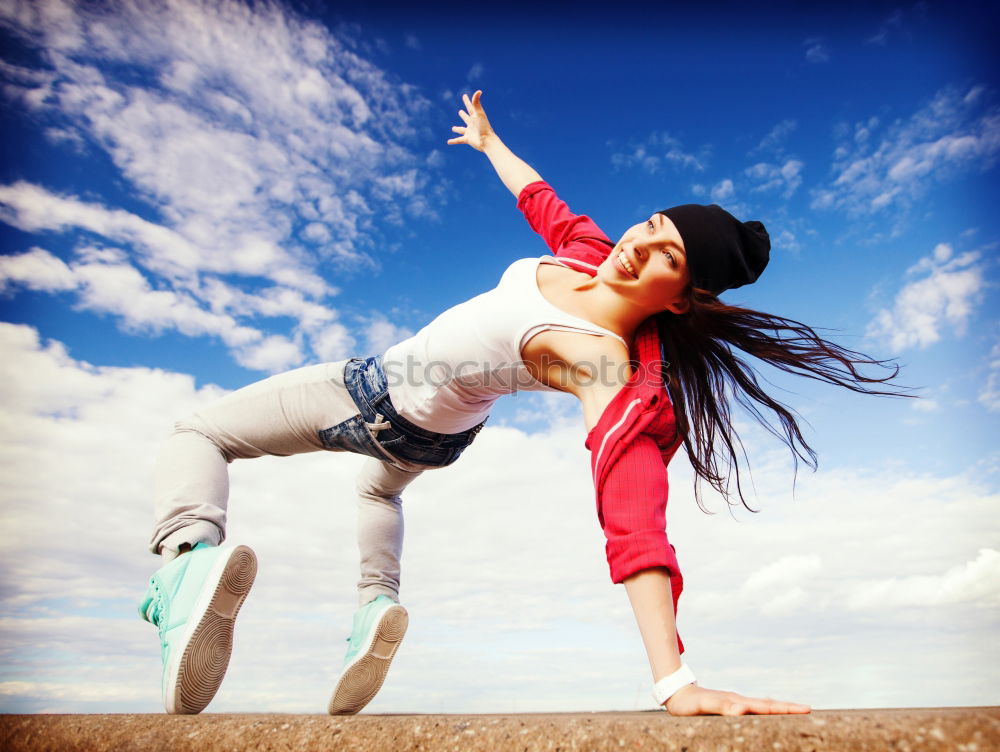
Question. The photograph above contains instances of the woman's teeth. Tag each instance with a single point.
(623, 260)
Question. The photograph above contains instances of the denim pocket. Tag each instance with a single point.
(406, 448)
(353, 435)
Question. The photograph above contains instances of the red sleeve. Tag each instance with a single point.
(569, 236)
(631, 507)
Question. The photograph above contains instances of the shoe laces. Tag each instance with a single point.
(154, 610)
(155, 613)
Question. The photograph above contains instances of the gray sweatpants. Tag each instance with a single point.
(278, 416)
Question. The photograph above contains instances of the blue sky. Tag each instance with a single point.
(194, 195)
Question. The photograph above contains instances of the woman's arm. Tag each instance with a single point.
(477, 133)
(575, 238)
(649, 593)
(649, 589)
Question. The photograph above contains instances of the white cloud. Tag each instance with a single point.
(976, 581)
(105, 282)
(788, 570)
(774, 141)
(657, 151)
(852, 531)
(816, 50)
(32, 208)
(82, 457)
(893, 22)
(786, 240)
(943, 296)
(380, 333)
(786, 177)
(109, 284)
(272, 354)
(722, 190)
(37, 270)
(898, 23)
(926, 405)
(955, 132)
(990, 394)
(333, 342)
(269, 302)
(261, 144)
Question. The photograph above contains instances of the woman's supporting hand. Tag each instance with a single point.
(477, 129)
(650, 595)
(478, 133)
(695, 700)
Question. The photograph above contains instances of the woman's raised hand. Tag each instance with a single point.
(695, 700)
(476, 131)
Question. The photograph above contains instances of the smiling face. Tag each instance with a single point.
(649, 266)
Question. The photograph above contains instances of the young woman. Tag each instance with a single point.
(634, 329)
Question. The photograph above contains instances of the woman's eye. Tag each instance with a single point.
(649, 224)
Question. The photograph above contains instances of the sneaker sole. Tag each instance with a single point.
(205, 659)
(362, 680)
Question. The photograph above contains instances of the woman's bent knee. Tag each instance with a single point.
(192, 431)
(380, 480)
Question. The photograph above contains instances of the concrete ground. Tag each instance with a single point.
(953, 729)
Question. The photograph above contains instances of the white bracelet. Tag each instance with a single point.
(666, 687)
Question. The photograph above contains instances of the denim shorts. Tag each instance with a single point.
(379, 429)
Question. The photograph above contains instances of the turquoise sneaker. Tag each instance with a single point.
(194, 600)
(379, 627)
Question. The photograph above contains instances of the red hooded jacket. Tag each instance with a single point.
(634, 438)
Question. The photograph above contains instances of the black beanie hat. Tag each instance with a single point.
(722, 252)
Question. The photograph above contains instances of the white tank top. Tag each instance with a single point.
(447, 376)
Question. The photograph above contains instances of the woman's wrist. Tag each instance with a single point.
(492, 145)
(671, 684)
(679, 696)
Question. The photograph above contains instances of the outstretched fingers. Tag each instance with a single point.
(735, 704)
(788, 707)
(462, 130)
(476, 128)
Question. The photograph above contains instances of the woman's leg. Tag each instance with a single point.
(306, 410)
(380, 528)
(280, 416)
(380, 622)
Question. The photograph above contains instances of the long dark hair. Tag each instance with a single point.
(700, 370)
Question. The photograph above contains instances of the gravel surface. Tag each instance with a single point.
(954, 729)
